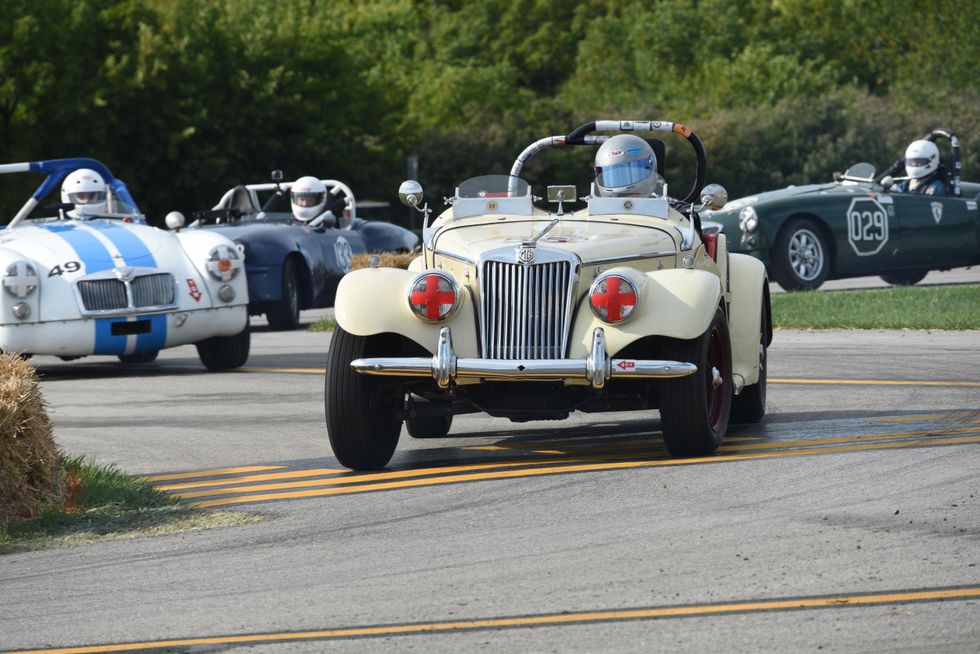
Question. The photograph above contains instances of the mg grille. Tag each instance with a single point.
(525, 309)
(110, 294)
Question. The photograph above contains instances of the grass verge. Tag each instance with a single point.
(908, 307)
(325, 325)
(101, 503)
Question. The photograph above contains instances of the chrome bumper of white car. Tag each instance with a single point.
(445, 367)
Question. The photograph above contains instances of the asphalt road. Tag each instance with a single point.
(848, 521)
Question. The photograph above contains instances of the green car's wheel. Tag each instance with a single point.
(361, 410)
(904, 277)
(139, 357)
(694, 410)
(801, 256)
(750, 405)
(284, 314)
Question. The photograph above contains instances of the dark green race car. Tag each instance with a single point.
(857, 226)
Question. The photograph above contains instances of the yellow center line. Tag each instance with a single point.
(873, 382)
(230, 486)
(292, 474)
(564, 469)
(303, 371)
(944, 417)
(208, 473)
(540, 620)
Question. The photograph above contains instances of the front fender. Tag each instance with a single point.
(375, 301)
(748, 284)
(678, 303)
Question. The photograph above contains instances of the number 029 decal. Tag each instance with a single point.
(66, 267)
(867, 226)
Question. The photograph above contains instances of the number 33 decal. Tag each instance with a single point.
(66, 267)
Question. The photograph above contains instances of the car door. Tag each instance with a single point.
(935, 231)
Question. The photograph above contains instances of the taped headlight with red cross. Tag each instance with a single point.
(613, 298)
(434, 296)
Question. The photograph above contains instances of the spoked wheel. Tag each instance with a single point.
(139, 357)
(801, 257)
(750, 405)
(284, 314)
(361, 410)
(694, 410)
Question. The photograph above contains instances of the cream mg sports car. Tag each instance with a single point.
(77, 283)
(531, 313)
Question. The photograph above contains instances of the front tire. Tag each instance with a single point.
(284, 314)
(904, 277)
(139, 357)
(225, 352)
(360, 410)
(694, 410)
(801, 257)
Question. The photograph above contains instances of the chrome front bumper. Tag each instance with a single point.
(445, 367)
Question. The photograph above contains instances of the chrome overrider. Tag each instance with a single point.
(446, 368)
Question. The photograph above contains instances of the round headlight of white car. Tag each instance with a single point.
(20, 279)
(224, 262)
(613, 298)
(434, 296)
(748, 220)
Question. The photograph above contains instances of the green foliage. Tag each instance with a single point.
(948, 307)
(183, 98)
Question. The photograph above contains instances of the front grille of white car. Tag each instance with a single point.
(526, 308)
(111, 295)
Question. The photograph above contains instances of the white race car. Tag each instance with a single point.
(77, 284)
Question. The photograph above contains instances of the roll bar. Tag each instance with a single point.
(934, 135)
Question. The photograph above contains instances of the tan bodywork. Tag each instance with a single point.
(675, 301)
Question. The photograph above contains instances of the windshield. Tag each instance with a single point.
(493, 186)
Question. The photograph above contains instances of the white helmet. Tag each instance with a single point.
(85, 189)
(921, 159)
(308, 196)
(625, 165)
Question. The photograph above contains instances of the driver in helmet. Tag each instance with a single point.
(922, 168)
(308, 196)
(85, 189)
(625, 166)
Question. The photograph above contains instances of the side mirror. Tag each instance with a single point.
(410, 193)
(277, 176)
(714, 197)
(887, 182)
(175, 220)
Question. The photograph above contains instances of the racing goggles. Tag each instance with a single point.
(625, 174)
(311, 199)
(86, 197)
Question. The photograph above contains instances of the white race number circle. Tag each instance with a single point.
(344, 253)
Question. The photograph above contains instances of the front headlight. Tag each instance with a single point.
(223, 263)
(434, 296)
(20, 279)
(748, 220)
(613, 298)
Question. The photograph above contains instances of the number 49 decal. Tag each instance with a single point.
(66, 267)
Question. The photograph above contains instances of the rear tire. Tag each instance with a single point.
(904, 277)
(361, 410)
(225, 352)
(139, 357)
(750, 405)
(284, 314)
(694, 410)
(429, 427)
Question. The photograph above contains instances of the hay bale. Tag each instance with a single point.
(29, 460)
(388, 259)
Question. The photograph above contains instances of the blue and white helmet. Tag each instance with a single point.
(85, 189)
(625, 165)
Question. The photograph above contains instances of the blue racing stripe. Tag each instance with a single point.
(156, 339)
(133, 250)
(105, 342)
(93, 255)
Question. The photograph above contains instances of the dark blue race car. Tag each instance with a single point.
(291, 263)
